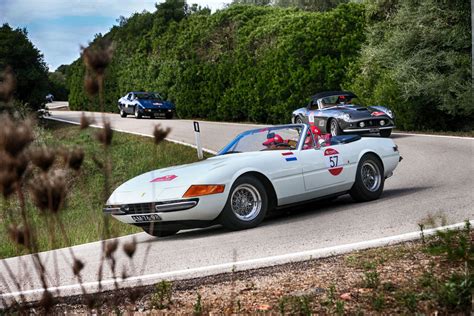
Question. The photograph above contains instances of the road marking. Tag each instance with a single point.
(433, 135)
(134, 133)
(236, 266)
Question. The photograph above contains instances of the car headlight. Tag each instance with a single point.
(346, 117)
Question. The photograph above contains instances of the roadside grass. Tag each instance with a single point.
(130, 155)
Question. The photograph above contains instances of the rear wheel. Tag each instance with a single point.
(334, 128)
(385, 132)
(246, 205)
(370, 179)
(298, 120)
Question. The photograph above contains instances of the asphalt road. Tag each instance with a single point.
(436, 177)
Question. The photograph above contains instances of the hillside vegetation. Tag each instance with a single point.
(258, 63)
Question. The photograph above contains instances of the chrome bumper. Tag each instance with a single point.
(149, 208)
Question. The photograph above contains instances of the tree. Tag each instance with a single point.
(27, 63)
(418, 60)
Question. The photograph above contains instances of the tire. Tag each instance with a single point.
(369, 180)
(334, 128)
(138, 115)
(298, 120)
(385, 132)
(160, 232)
(169, 116)
(245, 189)
(122, 113)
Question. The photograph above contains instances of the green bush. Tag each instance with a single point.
(243, 63)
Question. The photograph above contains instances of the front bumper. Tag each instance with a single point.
(157, 112)
(368, 125)
(206, 208)
(366, 130)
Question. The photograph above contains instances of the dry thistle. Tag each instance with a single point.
(110, 247)
(7, 84)
(105, 134)
(85, 121)
(74, 158)
(130, 247)
(43, 157)
(160, 133)
(8, 174)
(19, 235)
(91, 85)
(77, 266)
(49, 192)
(14, 136)
(98, 56)
(47, 301)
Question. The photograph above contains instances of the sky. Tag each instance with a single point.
(59, 27)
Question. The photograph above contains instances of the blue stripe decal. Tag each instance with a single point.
(291, 159)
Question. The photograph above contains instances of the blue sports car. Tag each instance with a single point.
(149, 104)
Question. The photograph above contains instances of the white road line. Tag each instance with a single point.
(134, 133)
(238, 265)
(433, 135)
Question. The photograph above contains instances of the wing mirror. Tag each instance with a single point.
(270, 135)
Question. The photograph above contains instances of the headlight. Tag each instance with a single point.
(346, 117)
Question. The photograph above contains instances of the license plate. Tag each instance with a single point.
(159, 114)
(374, 130)
(146, 218)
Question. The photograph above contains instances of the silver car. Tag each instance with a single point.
(336, 112)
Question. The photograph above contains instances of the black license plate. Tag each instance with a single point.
(146, 218)
(374, 130)
(159, 114)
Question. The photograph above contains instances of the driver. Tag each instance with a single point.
(274, 141)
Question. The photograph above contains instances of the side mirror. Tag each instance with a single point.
(270, 135)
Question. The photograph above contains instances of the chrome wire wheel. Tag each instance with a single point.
(298, 120)
(371, 177)
(334, 128)
(246, 202)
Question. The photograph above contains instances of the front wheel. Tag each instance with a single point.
(335, 130)
(169, 116)
(298, 120)
(122, 113)
(138, 115)
(369, 180)
(246, 205)
(385, 132)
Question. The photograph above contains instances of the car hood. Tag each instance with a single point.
(168, 183)
(360, 112)
(153, 104)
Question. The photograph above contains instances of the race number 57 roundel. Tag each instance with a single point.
(333, 161)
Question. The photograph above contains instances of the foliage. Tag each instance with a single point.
(27, 63)
(161, 298)
(417, 60)
(243, 63)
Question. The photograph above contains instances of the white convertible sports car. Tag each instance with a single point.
(258, 171)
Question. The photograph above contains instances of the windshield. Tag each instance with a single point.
(148, 96)
(271, 138)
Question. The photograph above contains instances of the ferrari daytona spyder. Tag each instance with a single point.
(260, 170)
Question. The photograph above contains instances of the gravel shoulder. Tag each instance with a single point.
(407, 278)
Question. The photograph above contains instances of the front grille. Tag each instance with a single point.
(141, 208)
(147, 208)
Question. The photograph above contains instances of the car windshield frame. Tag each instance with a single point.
(149, 96)
(228, 149)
